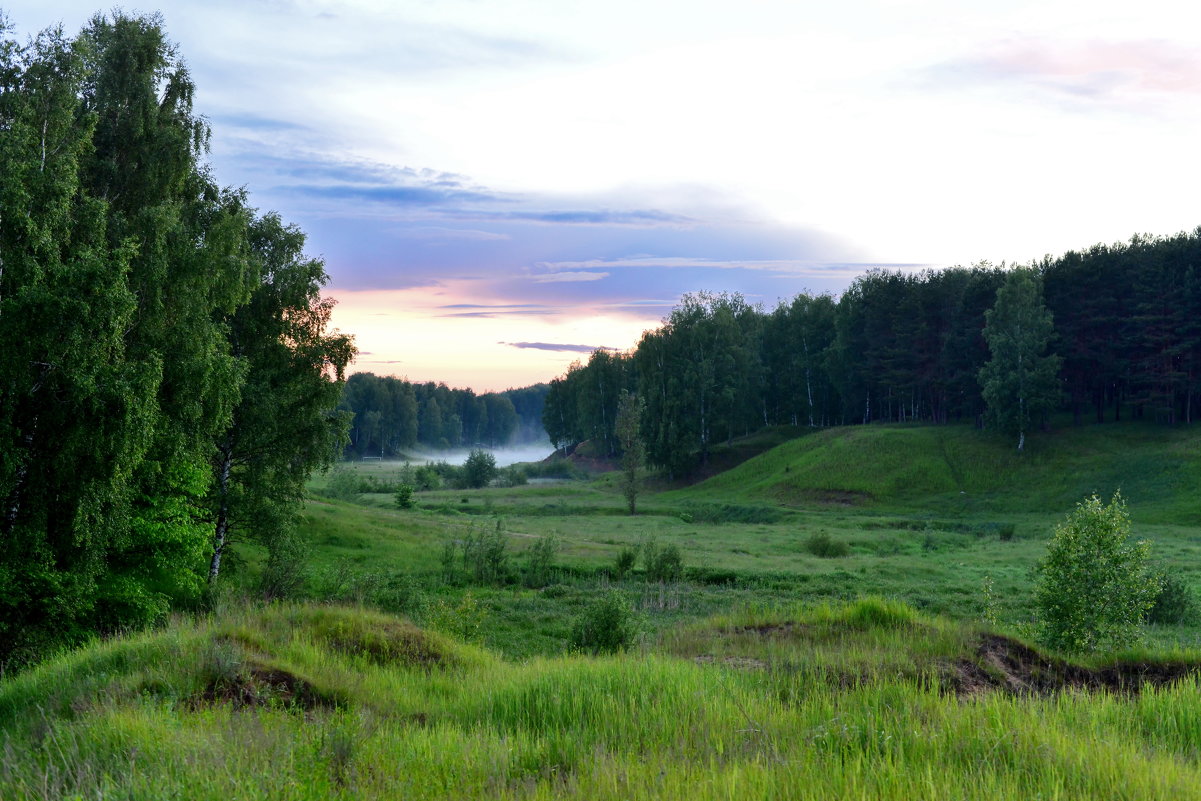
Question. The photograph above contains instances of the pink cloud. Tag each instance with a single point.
(1124, 73)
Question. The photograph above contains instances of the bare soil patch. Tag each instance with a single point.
(1007, 665)
(260, 686)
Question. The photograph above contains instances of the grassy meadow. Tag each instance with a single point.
(852, 620)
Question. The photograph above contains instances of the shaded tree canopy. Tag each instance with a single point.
(392, 416)
(1121, 337)
(146, 314)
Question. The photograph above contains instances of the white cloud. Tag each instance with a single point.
(567, 277)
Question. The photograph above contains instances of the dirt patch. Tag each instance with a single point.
(1007, 665)
(259, 686)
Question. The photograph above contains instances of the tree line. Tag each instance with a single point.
(1122, 339)
(392, 416)
(169, 375)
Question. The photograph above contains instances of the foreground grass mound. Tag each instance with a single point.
(319, 702)
(958, 469)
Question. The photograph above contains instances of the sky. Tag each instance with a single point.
(500, 186)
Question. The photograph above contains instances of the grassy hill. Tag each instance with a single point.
(770, 668)
(867, 700)
(958, 470)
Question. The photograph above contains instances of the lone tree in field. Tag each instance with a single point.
(479, 469)
(1094, 586)
(1019, 381)
(629, 421)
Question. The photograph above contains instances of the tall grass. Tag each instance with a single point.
(123, 720)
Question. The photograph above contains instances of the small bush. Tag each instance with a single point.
(512, 476)
(404, 496)
(662, 563)
(342, 484)
(540, 561)
(822, 545)
(1094, 588)
(1175, 603)
(607, 625)
(427, 478)
(626, 560)
(464, 619)
(479, 469)
(711, 576)
(486, 555)
(287, 567)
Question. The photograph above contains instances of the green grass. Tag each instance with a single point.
(774, 669)
(959, 471)
(359, 705)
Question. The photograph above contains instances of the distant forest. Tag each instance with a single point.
(393, 416)
(899, 347)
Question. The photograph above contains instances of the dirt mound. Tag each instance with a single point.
(262, 686)
(391, 643)
(1007, 665)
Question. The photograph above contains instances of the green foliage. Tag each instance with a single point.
(286, 570)
(479, 470)
(633, 448)
(1094, 586)
(404, 496)
(168, 380)
(555, 468)
(465, 619)
(626, 559)
(662, 562)
(1019, 382)
(392, 416)
(540, 560)
(821, 544)
(486, 554)
(343, 484)
(427, 477)
(1175, 603)
(607, 625)
(512, 476)
(880, 613)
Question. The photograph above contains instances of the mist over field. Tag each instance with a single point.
(529, 452)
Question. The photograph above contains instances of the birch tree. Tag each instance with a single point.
(1020, 380)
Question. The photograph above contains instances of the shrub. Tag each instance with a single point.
(287, 567)
(823, 545)
(404, 496)
(626, 560)
(540, 561)
(479, 469)
(427, 477)
(486, 555)
(512, 476)
(464, 619)
(1174, 604)
(1094, 587)
(662, 564)
(607, 625)
(343, 484)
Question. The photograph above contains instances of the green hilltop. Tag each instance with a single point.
(959, 470)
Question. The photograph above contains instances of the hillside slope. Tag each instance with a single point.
(958, 469)
(868, 700)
